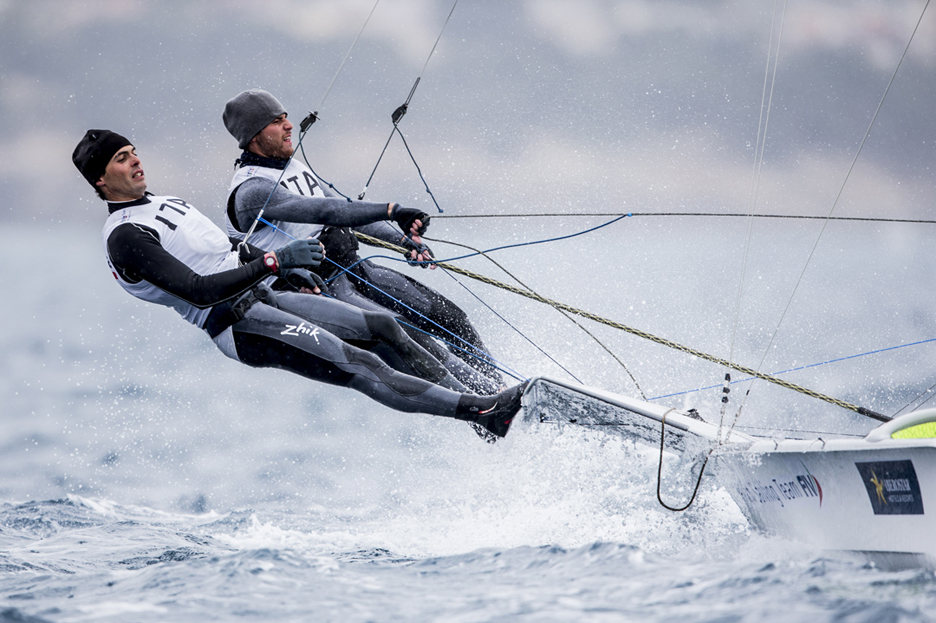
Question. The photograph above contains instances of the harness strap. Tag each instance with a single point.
(231, 312)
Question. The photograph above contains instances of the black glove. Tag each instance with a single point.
(421, 249)
(305, 253)
(301, 278)
(404, 217)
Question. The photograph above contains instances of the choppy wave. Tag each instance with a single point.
(78, 559)
(144, 477)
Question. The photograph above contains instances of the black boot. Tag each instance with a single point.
(491, 415)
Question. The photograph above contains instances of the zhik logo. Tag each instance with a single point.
(302, 329)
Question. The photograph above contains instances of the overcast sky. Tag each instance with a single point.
(559, 106)
(567, 105)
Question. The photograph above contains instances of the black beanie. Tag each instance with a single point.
(94, 151)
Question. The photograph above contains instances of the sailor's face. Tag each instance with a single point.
(275, 140)
(123, 179)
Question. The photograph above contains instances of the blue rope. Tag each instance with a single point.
(812, 365)
(489, 360)
(492, 310)
(482, 301)
(502, 367)
(508, 323)
(501, 248)
(439, 208)
(534, 242)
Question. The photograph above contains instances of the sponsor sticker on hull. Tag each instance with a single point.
(892, 487)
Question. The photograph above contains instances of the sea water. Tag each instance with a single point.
(145, 477)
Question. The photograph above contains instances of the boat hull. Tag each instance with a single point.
(851, 495)
(875, 495)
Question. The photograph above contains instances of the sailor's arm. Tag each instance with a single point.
(137, 254)
(381, 230)
(286, 206)
(283, 205)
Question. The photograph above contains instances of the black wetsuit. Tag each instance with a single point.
(152, 245)
(370, 283)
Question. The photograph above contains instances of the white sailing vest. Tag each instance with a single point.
(297, 179)
(184, 232)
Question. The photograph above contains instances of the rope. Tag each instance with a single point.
(760, 147)
(418, 169)
(928, 390)
(660, 471)
(508, 323)
(545, 240)
(802, 431)
(340, 67)
(835, 203)
(478, 354)
(816, 365)
(304, 126)
(485, 357)
(397, 116)
(716, 214)
(637, 332)
(564, 314)
(320, 178)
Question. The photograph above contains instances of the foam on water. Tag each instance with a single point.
(92, 560)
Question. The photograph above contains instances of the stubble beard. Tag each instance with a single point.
(275, 148)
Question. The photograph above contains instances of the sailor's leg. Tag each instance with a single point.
(473, 378)
(385, 327)
(425, 303)
(270, 337)
(479, 383)
(341, 288)
(349, 326)
(338, 318)
(355, 325)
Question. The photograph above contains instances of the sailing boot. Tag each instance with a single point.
(491, 416)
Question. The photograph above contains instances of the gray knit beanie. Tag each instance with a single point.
(249, 112)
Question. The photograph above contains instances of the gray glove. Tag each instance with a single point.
(301, 278)
(404, 217)
(305, 253)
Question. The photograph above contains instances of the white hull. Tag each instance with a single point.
(855, 495)
(869, 495)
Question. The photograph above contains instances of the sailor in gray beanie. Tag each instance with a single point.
(249, 112)
(296, 204)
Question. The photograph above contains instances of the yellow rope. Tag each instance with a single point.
(643, 334)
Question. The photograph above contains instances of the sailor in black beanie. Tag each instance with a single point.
(162, 250)
(94, 151)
